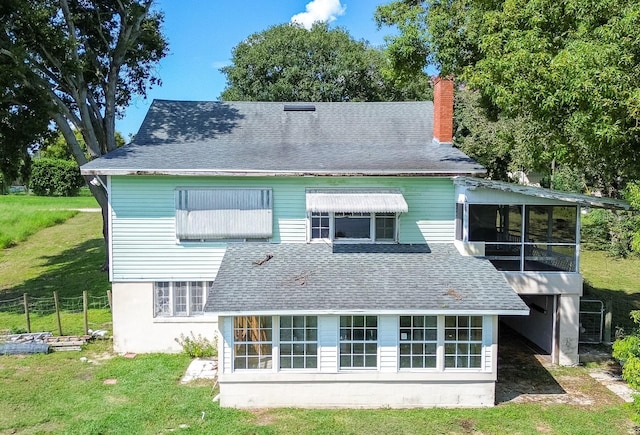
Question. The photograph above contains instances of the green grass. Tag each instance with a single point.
(613, 279)
(23, 215)
(65, 395)
(66, 258)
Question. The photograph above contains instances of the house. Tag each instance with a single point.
(345, 254)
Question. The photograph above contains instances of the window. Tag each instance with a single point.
(374, 227)
(224, 214)
(298, 342)
(358, 342)
(182, 298)
(524, 237)
(462, 341)
(418, 341)
(252, 342)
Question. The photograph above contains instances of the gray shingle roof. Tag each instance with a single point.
(189, 137)
(377, 278)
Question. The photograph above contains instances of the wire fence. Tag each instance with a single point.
(28, 307)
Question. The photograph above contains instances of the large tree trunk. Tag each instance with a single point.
(100, 194)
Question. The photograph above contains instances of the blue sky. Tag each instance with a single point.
(202, 33)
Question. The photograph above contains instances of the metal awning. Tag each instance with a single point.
(356, 201)
(541, 192)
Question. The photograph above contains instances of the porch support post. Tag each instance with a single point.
(568, 331)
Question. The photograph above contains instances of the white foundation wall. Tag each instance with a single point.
(136, 330)
(381, 393)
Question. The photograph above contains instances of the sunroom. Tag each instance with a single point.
(350, 325)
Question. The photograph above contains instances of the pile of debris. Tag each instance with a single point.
(43, 342)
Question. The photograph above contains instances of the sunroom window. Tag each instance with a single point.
(252, 342)
(524, 237)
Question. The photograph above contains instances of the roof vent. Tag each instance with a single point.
(299, 108)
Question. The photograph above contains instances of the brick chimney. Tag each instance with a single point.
(443, 110)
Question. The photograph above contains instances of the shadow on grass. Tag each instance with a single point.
(69, 273)
(621, 301)
(519, 371)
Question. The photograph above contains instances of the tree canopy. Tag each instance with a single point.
(569, 66)
(290, 63)
(85, 60)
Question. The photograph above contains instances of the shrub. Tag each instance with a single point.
(198, 347)
(627, 351)
(55, 177)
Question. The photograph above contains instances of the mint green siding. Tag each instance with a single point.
(143, 235)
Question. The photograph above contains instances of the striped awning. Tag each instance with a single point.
(356, 201)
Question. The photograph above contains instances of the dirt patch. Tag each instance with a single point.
(264, 417)
(526, 375)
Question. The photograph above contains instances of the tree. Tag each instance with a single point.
(56, 147)
(23, 121)
(571, 66)
(87, 58)
(290, 63)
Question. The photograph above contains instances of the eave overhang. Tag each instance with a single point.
(541, 192)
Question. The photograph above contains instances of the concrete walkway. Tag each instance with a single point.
(614, 383)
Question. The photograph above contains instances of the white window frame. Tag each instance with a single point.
(347, 338)
(332, 227)
(265, 360)
(166, 304)
(412, 342)
(457, 337)
(302, 337)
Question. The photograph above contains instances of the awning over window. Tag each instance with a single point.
(356, 201)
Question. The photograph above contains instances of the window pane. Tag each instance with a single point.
(196, 290)
(252, 342)
(180, 294)
(551, 224)
(385, 227)
(162, 298)
(298, 342)
(358, 346)
(495, 223)
(352, 226)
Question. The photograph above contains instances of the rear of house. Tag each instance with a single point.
(329, 247)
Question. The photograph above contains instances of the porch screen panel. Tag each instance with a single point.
(204, 214)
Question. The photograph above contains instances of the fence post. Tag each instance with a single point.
(85, 310)
(608, 320)
(26, 311)
(109, 299)
(57, 304)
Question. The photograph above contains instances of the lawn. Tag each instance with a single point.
(23, 215)
(615, 280)
(67, 395)
(64, 254)
(59, 393)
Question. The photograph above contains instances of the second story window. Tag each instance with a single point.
(354, 215)
(522, 238)
(370, 227)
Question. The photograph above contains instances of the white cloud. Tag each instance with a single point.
(319, 10)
